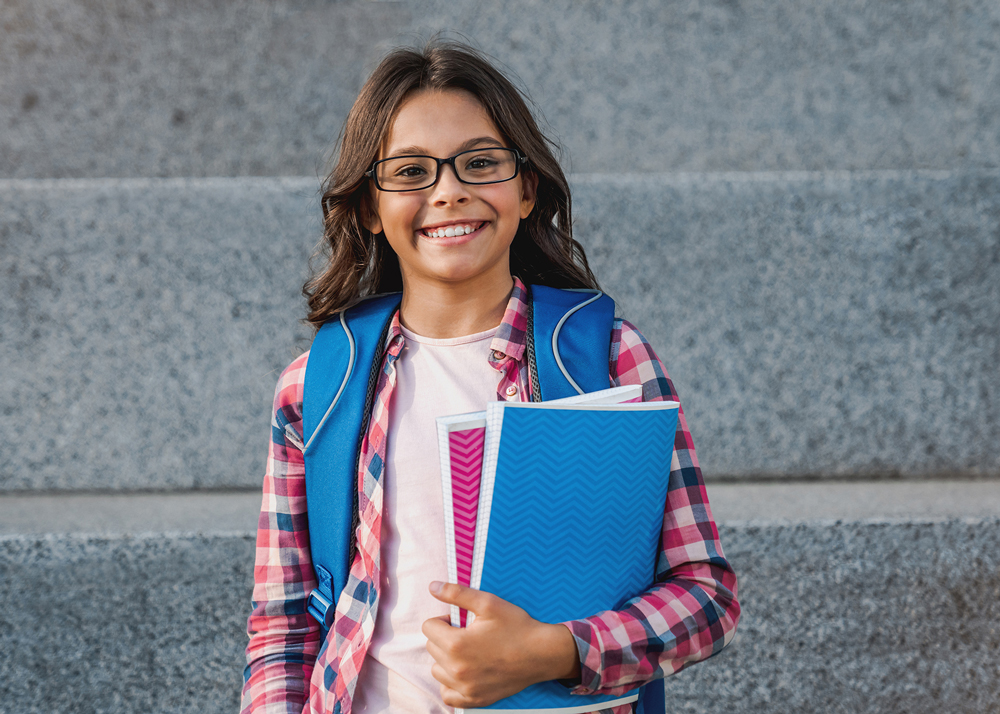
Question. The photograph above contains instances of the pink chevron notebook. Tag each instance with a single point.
(460, 442)
(460, 448)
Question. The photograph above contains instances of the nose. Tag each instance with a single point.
(449, 190)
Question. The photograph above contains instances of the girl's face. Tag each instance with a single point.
(442, 123)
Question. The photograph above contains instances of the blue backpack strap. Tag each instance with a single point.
(652, 698)
(344, 354)
(569, 336)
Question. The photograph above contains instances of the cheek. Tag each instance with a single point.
(398, 218)
(507, 205)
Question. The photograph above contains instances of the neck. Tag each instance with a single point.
(444, 310)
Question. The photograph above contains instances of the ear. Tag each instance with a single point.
(529, 189)
(369, 213)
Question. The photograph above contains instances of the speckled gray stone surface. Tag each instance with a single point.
(745, 503)
(125, 625)
(814, 325)
(852, 619)
(144, 326)
(202, 88)
(847, 618)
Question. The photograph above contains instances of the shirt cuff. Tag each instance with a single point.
(588, 647)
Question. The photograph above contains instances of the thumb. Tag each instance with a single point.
(466, 598)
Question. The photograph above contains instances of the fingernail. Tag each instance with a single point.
(436, 587)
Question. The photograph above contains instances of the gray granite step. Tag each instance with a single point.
(856, 598)
(117, 514)
(815, 324)
(204, 88)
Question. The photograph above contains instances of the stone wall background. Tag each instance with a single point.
(261, 87)
(798, 202)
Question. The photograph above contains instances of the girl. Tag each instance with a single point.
(445, 189)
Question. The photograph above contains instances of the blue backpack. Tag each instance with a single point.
(565, 328)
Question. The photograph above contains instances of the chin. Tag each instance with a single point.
(458, 276)
(461, 273)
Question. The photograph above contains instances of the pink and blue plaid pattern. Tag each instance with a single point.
(689, 615)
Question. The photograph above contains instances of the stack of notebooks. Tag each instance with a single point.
(557, 507)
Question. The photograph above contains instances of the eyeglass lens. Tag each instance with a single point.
(410, 173)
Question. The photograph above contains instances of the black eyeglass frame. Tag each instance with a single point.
(518, 156)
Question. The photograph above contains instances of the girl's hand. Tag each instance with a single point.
(503, 651)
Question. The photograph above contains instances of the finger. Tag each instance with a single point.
(442, 675)
(439, 654)
(467, 598)
(438, 630)
(452, 698)
(455, 698)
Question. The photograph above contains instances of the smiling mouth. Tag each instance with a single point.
(452, 231)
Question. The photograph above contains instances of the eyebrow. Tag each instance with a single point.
(470, 144)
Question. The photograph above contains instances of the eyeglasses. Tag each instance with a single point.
(476, 167)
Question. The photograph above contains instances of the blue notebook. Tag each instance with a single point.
(570, 512)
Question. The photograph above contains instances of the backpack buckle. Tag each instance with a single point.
(320, 607)
(320, 602)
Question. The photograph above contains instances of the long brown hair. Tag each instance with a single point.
(357, 263)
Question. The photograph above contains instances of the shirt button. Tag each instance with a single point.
(511, 390)
(498, 355)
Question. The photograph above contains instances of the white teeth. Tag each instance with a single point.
(451, 231)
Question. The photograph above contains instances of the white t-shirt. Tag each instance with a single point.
(433, 378)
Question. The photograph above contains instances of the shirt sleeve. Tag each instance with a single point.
(690, 612)
(284, 640)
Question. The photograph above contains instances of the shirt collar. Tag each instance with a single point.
(511, 335)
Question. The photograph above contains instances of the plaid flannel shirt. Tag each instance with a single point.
(688, 615)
